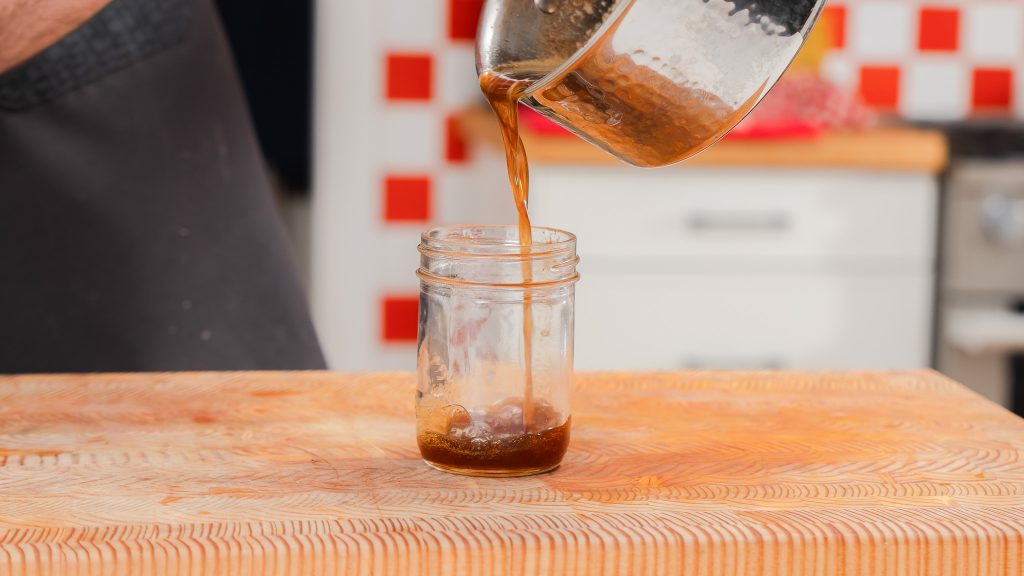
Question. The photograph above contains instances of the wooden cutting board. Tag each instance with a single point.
(691, 473)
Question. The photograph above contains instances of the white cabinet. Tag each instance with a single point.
(648, 321)
(801, 215)
(705, 268)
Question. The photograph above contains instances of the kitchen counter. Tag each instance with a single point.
(879, 148)
(668, 473)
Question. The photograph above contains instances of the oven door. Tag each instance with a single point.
(982, 283)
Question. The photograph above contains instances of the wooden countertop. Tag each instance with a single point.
(880, 149)
(673, 473)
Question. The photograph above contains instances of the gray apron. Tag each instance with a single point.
(137, 227)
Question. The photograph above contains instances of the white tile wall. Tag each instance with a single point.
(934, 90)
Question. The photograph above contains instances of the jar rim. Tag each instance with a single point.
(495, 240)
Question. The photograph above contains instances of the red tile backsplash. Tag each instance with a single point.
(938, 29)
(463, 17)
(835, 16)
(407, 199)
(455, 143)
(410, 77)
(400, 319)
(880, 86)
(991, 89)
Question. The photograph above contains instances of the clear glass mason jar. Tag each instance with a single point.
(495, 353)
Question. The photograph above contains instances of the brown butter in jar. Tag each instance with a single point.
(495, 350)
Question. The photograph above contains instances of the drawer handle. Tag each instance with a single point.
(733, 363)
(739, 222)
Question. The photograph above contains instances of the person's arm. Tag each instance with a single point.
(29, 26)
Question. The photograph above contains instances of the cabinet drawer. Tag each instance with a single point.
(666, 322)
(750, 213)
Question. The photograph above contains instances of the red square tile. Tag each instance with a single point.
(407, 199)
(880, 86)
(835, 18)
(410, 77)
(938, 29)
(463, 18)
(400, 318)
(455, 143)
(992, 88)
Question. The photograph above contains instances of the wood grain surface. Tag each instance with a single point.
(903, 149)
(687, 473)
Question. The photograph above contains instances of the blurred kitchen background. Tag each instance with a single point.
(869, 214)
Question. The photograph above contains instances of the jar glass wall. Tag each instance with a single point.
(495, 354)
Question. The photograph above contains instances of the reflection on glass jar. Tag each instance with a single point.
(495, 349)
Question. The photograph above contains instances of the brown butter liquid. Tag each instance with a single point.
(531, 451)
(503, 94)
(637, 112)
(523, 435)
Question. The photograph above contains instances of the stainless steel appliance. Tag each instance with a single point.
(981, 291)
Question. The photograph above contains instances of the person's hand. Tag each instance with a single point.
(28, 27)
